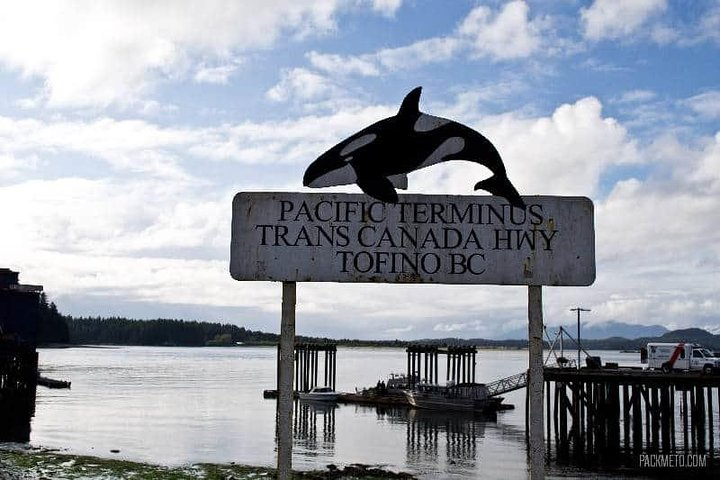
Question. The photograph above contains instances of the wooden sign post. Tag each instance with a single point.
(285, 382)
(297, 237)
(535, 382)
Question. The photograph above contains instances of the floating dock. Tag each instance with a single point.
(422, 367)
(52, 383)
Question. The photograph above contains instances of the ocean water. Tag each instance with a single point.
(178, 406)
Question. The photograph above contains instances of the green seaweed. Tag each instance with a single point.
(24, 464)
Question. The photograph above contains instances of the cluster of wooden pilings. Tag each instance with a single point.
(308, 419)
(426, 432)
(600, 413)
(423, 364)
(461, 364)
(18, 385)
(307, 365)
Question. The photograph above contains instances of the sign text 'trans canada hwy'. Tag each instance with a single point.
(302, 237)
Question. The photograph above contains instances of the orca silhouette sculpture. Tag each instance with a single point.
(379, 157)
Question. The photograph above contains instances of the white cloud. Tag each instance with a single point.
(412, 56)
(613, 19)
(636, 96)
(710, 24)
(12, 166)
(567, 153)
(563, 154)
(706, 104)
(100, 53)
(365, 65)
(638, 219)
(284, 142)
(663, 34)
(219, 75)
(386, 7)
(451, 327)
(140, 149)
(420, 53)
(103, 217)
(602, 66)
(469, 101)
(127, 145)
(143, 239)
(706, 176)
(302, 84)
(657, 245)
(399, 330)
(138, 241)
(657, 241)
(506, 34)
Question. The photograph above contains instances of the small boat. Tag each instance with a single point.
(467, 397)
(396, 383)
(323, 394)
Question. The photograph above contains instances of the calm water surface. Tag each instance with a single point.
(187, 405)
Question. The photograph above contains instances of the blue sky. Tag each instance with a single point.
(127, 127)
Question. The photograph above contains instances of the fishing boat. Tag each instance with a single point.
(467, 397)
(322, 394)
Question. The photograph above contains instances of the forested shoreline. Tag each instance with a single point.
(56, 328)
(160, 332)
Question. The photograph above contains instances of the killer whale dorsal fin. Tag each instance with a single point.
(410, 106)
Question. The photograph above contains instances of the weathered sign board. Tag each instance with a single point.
(303, 237)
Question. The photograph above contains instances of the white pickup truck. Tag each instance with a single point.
(681, 356)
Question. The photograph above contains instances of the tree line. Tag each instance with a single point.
(57, 328)
(160, 332)
(52, 325)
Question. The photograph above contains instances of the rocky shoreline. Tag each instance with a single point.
(20, 462)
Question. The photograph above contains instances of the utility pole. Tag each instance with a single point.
(578, 310)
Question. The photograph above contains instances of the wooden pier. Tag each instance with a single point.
(18, 385)
(19, 323)
(597, 414)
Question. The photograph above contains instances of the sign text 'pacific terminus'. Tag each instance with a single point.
(420, 239)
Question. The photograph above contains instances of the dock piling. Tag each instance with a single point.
(600, 413)
(307, 366)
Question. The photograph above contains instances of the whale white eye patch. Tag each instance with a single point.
(357, 143)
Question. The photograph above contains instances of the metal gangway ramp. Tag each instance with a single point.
(507, 384)
(519, 380)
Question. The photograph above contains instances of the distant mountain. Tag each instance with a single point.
(600, 331)
(694, 335)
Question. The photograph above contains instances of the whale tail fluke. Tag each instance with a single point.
(501, 186)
